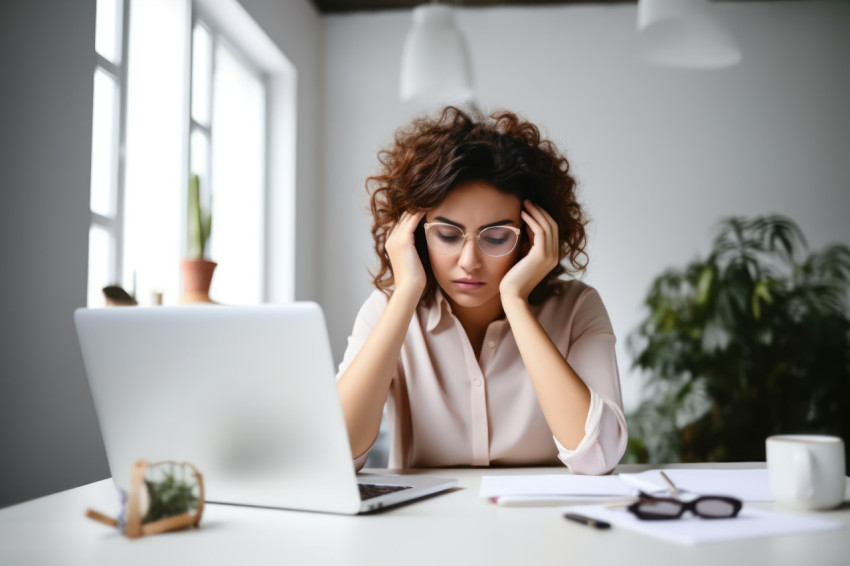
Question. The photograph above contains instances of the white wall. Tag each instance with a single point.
(296, 28)
(661, 155)
(49, 438)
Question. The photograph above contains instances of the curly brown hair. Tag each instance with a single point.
(430, 156)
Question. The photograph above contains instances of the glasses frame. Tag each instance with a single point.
(429, 225)
(691, 506)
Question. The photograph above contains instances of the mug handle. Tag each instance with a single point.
(803, 472)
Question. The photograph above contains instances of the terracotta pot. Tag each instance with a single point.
(197, 278)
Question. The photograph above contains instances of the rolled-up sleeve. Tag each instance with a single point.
(592, 356)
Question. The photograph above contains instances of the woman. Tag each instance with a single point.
(483, 356)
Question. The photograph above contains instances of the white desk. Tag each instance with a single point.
(453, 528)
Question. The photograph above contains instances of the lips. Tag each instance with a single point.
(468, 284)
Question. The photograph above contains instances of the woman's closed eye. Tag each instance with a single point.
(449, 237)
(497, 235)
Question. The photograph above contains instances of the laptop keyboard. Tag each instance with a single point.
(370, 490)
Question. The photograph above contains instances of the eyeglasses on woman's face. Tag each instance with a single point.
(447, 239)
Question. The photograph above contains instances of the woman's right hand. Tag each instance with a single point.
(364, 385)
(408, 273)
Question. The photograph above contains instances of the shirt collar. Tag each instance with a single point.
(439, 308)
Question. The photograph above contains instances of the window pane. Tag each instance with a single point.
(107, 30)
(201, 74)
(238, 161)
(101, 246)
(104, 141)
(155, 178)
(199, 158)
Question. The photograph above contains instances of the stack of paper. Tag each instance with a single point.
(749, 523)
(747, 485)
(552, 489)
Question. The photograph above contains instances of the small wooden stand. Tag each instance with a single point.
(134, 527)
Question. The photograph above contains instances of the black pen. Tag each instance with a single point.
(587, 521)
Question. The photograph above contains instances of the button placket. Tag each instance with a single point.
(480, 425)
(478, 393)
(478, 418)
(491, 340)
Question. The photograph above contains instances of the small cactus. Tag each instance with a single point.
(200, 221)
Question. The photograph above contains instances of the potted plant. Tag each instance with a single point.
(197, 269)
(752, 341)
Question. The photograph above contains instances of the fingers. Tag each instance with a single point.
(544, 230)
(407, 269)
(407, 223)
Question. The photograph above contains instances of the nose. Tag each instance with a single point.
(469, 259)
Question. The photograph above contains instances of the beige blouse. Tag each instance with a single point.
(446, 408)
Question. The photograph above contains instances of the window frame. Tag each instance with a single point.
(114, 225)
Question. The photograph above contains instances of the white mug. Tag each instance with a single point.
(806, 471)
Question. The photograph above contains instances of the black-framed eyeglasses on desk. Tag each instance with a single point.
(651, 508)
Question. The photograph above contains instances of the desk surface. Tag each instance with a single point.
(452, 528)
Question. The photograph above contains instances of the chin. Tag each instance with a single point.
(470, 301)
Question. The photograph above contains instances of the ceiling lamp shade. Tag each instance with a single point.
(435, 63)
(684, 34)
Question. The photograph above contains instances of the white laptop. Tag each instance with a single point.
(246, 394)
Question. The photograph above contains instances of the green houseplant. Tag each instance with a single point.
(197, 269)
(752, 341)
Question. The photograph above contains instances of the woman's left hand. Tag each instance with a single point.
(541, 258)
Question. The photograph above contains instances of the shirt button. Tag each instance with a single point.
(492, 344)
(477, 383)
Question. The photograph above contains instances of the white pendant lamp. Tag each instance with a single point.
(435, 63)
(684, 34)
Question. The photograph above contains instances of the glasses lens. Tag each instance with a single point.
(715, 508)
(657, 509)
(497, 241)
(444, 238)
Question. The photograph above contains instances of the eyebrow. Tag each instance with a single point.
(462, 227)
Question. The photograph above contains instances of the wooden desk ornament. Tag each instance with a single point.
(158, 501)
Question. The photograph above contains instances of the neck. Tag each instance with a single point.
(475, 320)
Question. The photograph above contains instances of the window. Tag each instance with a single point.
(174, 94)
(108, 116)
(227, 148)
